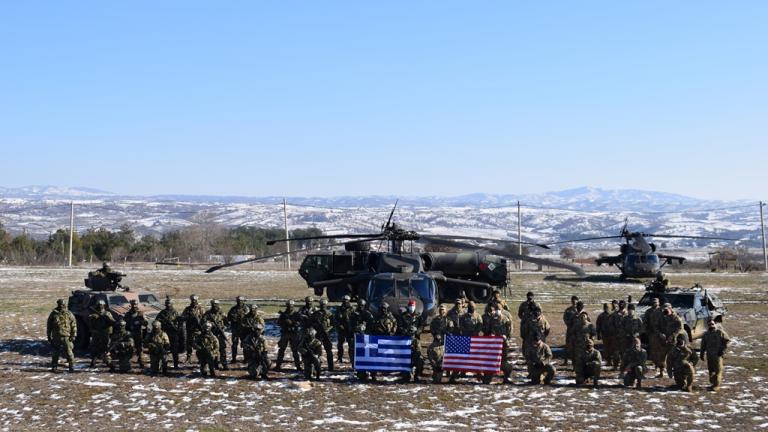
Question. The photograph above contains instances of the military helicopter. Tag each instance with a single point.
(397, 276)
(638, 258)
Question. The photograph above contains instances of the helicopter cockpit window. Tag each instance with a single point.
(652, 259)
(381, 288)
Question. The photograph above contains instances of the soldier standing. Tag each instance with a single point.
(617, 327)
(497, 301)
(538, 358)
(255, 353)
(192, 317)
(682, 360)
(362, 321)
(235, 318)
(288, 320)
(207, 350)
(216, 317)
(652, 320)
(632, 325)
(501, 325)
(137, 325)
(456, 312)
(345, 332)
(171, 324)
(385, 324)
(321, 322)
(470, 323)
(589, 364)
(633, 364)
(569, 316)
(601, 324)
(439, 327)
(581, 335)
(250, 321)
(158, 344)
(526, 308)
(122, 347)
(713, 344)
(410, 325)
(311, 349)
(101, 324)
(305, 314)
(671, 325)
(534, 324)
(61, 330)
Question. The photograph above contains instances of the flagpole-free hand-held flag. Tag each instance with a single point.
(481, 354)
(382, 353)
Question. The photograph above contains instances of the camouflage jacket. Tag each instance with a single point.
(61, 323)
(601, 324)
(613, 327)
(530, 327)
(342, 319)
(409, 325)
(288, 321)
(499, 302)
(310, 346)
(671, 325)
(157, 342)
(569, 314)
(384, 324)
(591, 356)
(455, 316)
(321, 320)
(255, 346)
(582, 334)
(216, 318)
(634, 357)
(249, 323)
(632, 326)
(679, 356)
(362, 318)
(525, 310)
(122, 344)
(470, 324)
(136, 323)
(539, 354)
(441, 326)
(236, 316)
(714, 342)
(435, 353)
(209, 344)
(305, 316)
(101, 323)
(498, 326)
(170, 321)
(193, 318)
(653, 319)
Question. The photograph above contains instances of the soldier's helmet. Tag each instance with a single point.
(384, 306)
(240, 298)
(614, 302)
(168, 301)
(574, 298)
(311, 332)
(254, 307)
(458, 301)
(346, 298)
(579, 304)
(194, 298)
(529, 294)
(289, 303)
(622, 303)
(441, 308)
(156, 324)
(536, 311)
(121, 323)
(361, 302)
(208, 325)
(496, 291)
(214, 302)
(101, 303)
(307, 299)
(60, 302)
(680, 338)
(323, 302)
(655, 300)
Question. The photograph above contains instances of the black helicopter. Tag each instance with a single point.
(397, 276)
(638, 258)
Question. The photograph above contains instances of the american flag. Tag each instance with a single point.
(473, 353)
(382, 353)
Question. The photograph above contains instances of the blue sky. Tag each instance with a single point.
(405, 98)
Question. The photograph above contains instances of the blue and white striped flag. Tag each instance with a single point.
(382, 353)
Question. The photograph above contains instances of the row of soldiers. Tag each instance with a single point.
(307, 332)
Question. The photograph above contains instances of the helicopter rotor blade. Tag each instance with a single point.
(458, 237)
(687, 237)
(500, 252)
(333, 236)
(588, 239)
(221, 266)
(389, 219)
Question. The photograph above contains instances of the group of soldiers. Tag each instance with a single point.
(307, 332)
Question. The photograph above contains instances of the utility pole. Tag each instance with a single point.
(519, 238)
(71, 229)
(287, 243)
(762, 231)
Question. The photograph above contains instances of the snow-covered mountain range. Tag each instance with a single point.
(547, 217)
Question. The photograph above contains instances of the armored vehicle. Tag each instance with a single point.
(106, 287)
(694, 305)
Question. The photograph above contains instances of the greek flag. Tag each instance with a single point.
(382, 353)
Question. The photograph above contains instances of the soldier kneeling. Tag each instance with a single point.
(311, 349)
(538, 357)
(634, 364)
(121, 349)
(255, 353)
(208, 350)
(681, 361)
(589, 364)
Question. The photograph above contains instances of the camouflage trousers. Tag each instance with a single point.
(208, 362)
(122, 362)
(311, 366)
(99, 348)
(158, 362)
(349, 338)
(417, 362)
(585, 371)
(715, 368)
(634, 375)
(435, 355)
(258, 364)
(191, 343)
(536, 371)
(684, 376)
(325, 339)
(138, 345)
(658, 351)
(292, 340)
(610, 351)
(61, 345)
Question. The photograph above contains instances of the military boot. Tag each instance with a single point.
(639, 384)
(93, 362)
(71, 367)
(595, 383)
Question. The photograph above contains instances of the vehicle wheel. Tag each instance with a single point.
(479, 295)
(83, 335)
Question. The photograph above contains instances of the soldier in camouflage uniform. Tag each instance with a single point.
(682, 360)
(61, 330)
(456, 312)
(288, 320)
(216, 317)
(137, 324)
(439, 327)
(526, 308)
(305, 315)
(311, 349)
(616, 332)
(321, 322)
(589, 364)
(158, 344)
(538, 358)
(345, 332)
(122, 348)
(500, 325)
(713, 344)
(255, 353)
(569, 316)
(172, 325)
(385, 324)
(632, 325)
(410, 325)
(652, 320)
(207, 350)
(496, 300)
(192, 317)
(101, 324)
(601, 327)
(581, 335)
(534, 324)
(250, 322)
(671, 326)
(361, 321)
(633, 364)
(470, 323)
(235, 318)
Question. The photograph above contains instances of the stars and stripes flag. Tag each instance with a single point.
(473, 354)
(382, 353)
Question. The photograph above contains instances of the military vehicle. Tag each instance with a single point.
(695, 305)
(397, 276)
(638, 258)
(104, 285)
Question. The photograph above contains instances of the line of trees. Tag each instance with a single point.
(196, 243)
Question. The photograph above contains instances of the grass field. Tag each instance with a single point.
(33, 398)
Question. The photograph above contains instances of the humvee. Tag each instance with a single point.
(694, 305)
(83, 302)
